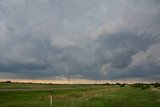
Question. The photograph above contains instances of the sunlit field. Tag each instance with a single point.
(38, 95)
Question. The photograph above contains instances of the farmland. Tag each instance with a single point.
(38, 95)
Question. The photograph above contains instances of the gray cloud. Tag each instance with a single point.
(97, 39)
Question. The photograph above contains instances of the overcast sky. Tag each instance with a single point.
(91, 39)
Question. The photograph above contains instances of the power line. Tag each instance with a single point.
(33, 78)
(124, 78)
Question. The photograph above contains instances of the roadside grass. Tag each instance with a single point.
(39, 86)
(83, 96)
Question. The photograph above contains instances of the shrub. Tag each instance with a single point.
(141, 85)
(122, 85)
(156, 85)
(137, 85)
(145, 86)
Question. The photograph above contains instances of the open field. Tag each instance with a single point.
(37, 95)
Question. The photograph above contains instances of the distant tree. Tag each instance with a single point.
(8, 82)
(156, 85)
(118, 83)
(50, 84)
(107, 84)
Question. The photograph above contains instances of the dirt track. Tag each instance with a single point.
(37, 89)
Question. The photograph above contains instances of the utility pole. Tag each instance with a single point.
(69, 79)
(124, 78)
(61, 80)
(33, 78)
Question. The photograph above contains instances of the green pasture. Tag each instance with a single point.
(77, 96)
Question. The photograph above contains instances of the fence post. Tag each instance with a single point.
(51, 99)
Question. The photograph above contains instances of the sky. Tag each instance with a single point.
(84, 39)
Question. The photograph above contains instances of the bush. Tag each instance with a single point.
(137, 85)
(145, 87)
(141, 85)
(156, 85)
(122, 85)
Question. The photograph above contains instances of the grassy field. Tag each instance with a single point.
(38, 95)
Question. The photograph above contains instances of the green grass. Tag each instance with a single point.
(40, 86)
(80, 96)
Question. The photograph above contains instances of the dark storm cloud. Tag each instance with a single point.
(97, 39)
(122, 45)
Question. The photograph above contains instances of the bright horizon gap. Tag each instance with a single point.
(78, 81)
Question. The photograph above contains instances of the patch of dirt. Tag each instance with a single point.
(155, 89)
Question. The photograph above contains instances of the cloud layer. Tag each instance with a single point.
(93, 39)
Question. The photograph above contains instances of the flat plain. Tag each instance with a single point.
(38, 95)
